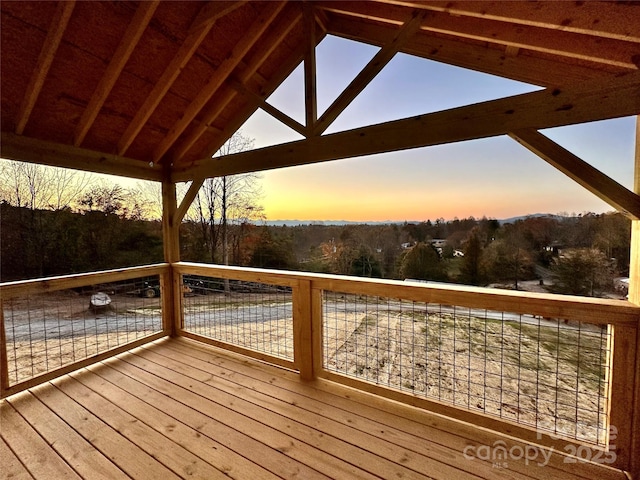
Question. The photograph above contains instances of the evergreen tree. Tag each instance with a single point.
(422, 262)
(582, 271)
(471, 271)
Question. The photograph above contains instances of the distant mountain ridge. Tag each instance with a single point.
(296, 223)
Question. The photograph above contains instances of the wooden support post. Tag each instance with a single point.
(634, 297)
(172, 293)
(302, 329)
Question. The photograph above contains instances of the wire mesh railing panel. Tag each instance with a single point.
(252, 315)
(545, 373)
(46, 331)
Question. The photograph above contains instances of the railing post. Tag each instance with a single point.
(172, 296)
(4, 362)
(624, 354)
(170, 302)
(302, 330)
(316, 329)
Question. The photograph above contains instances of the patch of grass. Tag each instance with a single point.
(582, 349)
(367, 321)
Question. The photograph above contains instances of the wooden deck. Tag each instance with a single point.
(180, 409)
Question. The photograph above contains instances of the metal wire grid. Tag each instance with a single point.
(50, 330)
(252, 315)
(535, 371)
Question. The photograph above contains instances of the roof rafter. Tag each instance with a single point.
(580, 171)
(369, 72)
(524, 68)
(212, 11)
(49, 48)
(617, 21)
(248, 40)
(131, 38)
(282, 27)
(205, 20)
(558, 42)
(595, 100)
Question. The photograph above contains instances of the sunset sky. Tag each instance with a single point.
(493, 177)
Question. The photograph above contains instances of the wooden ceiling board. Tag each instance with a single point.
(20, 58)
(261, 53)
(64, 97)
(151, 56)
(37, 14)
(157, 127)
(174, 18)
(108, 25)
(226, 32)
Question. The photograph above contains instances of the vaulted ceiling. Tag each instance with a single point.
(154, 88)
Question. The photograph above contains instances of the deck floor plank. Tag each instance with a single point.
(78, 452)
(174, 456)
(349, 445)
(358, 408)
(267, 457)
(326, 413)
(263, 394)
(134, 461)
(176, 427)
(269, 430)
(32, 450)
(176, 408)
(12, 467)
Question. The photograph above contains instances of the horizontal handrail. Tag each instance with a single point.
(581, 309)
(52, 284)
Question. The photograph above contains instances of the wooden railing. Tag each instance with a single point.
(617, 319)
(303, 298)
(64, 305)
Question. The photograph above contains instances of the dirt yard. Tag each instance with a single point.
(535, 375)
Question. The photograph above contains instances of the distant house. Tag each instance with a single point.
(554, 247)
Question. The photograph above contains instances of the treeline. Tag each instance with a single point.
(578, 254)
(582, 253)
(569, 254)
(43, 243)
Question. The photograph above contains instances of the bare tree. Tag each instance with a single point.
(40, 187)
(226, 201)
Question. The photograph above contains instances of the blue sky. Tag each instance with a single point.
(495, 177)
